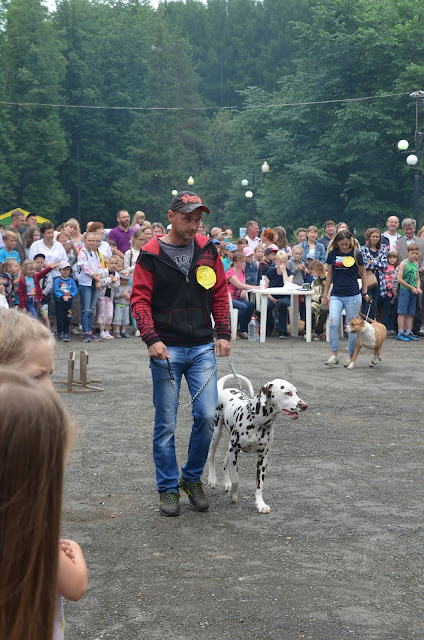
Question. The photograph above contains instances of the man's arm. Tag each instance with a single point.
(141, 308)
(220, 308)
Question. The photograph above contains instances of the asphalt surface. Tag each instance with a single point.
(339, 556)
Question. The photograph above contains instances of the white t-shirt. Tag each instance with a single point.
(55, 253)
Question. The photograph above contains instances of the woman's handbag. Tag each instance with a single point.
(371, 279)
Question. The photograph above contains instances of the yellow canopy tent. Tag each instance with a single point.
(6, 218)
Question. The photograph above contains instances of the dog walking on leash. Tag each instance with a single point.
(249, 420)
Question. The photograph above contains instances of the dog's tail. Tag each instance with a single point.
(246, 382)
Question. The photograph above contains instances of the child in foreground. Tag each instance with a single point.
(37, 568)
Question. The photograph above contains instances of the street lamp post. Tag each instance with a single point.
(250, 193)
(413, 159)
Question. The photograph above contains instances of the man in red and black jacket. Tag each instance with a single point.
(178, 282)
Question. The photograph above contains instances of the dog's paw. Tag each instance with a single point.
(233, 496)
(212, 479)
(227, 486)
(372, 363)
(263, 508)
(350, 366)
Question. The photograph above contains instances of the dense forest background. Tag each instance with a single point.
(211, 90)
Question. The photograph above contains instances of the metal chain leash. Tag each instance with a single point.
(204, 385)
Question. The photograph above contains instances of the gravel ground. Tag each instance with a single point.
(340, 554)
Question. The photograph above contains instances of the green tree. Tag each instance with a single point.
(34, 68)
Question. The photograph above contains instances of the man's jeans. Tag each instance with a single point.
(351, 304)
(196, 364)
(88, 295)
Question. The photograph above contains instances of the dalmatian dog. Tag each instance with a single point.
(249, 420)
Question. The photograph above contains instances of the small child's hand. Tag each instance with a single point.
(66, 547)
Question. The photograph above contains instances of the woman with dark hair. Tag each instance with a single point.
(280, 239)
(31, 234)
(51, 249)
(345, 266)
(375, 260)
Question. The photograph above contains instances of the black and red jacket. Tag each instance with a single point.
(171, 307)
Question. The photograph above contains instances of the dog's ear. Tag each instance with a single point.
(263, 396)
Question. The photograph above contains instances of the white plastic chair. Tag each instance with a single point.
(233, 318)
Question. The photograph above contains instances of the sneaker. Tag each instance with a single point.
(117, 334)
(86, 338)
(137, 333)
(281, 336)
(107, 336)
(103, 334)
(243, 335)
(75, 331)
(402, 337)
(411, 336)
(169, 504)
(347, 361)
(195, 493)
(60, 338)
(319, 336)
(332, 360)
(65, 337)
(94, 338)
(124, 334)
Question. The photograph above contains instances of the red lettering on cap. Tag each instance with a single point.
(186, 198)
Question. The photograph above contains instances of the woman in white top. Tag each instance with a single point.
(52, 250)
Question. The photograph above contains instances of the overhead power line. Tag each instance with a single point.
(238, 108)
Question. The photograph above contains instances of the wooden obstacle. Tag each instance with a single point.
(84, 383)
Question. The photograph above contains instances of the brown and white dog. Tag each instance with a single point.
(371, 335)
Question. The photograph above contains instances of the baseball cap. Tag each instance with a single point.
(311, 255)
(186, 202)
(63, 264)
(230, 247)
(216, 241)
(124, 274)
(247, 251)
(270, 249)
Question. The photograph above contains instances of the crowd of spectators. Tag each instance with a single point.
(80, 282)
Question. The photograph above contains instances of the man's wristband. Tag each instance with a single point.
(365, 294)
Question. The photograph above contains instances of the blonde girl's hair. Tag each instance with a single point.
(35, 435)
(18, 332)
(27, 263)
(137, 233)
(316, 265)
(6, 264)
(73, 223)
(139, 215)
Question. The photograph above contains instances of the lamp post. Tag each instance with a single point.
(413, 159)
(250, 193)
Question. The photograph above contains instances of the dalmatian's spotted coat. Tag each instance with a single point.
(249, 419)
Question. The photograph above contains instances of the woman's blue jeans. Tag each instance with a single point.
(246, 310)
(351, 304)
(196, 364)
(88, 295)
